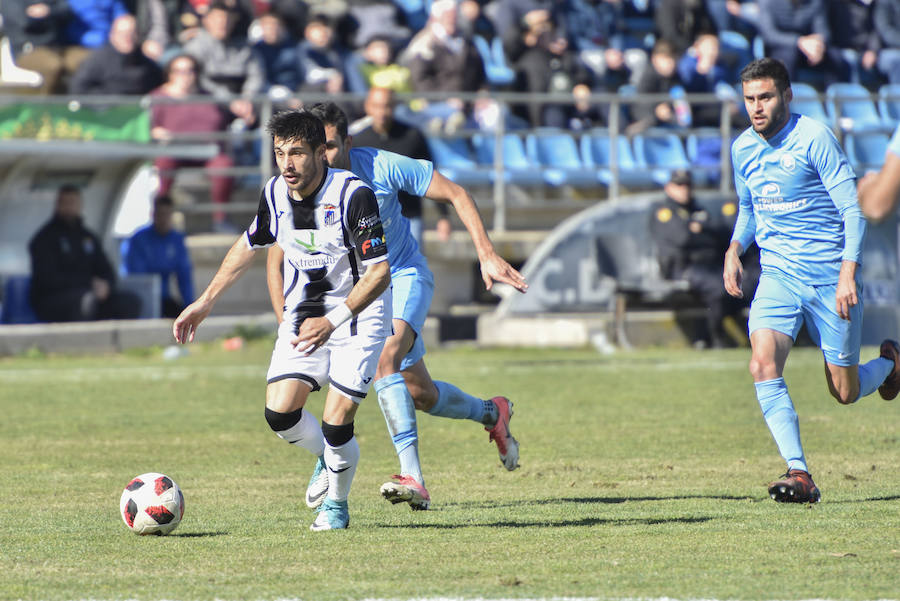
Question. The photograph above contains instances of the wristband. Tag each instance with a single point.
(339, 315)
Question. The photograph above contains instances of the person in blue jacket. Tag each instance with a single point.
(160, 248)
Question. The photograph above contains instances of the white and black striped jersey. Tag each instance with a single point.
(328, 240)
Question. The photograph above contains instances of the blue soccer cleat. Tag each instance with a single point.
(318, 485)
(332, 515)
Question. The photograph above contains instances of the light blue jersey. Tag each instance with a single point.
(387, 173)
(796, 201)
(894, 145)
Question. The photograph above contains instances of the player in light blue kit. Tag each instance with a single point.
(797, 197)
(879, 192)
(402, 381)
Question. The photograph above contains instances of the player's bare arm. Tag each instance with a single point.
(493, 267)
(878, 192)
(845, 295)
(315, 331)
(275, 280)
(235, 263)
(733, 272)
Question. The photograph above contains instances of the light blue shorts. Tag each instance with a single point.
(413, 288)
(784, 304)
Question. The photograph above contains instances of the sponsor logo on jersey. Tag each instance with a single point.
(371, 245)
(788, 163)
(310, 246)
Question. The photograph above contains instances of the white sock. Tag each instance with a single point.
(341, 463)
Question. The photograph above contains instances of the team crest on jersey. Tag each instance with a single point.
(770, 190)
(330, 214)
(788, 163)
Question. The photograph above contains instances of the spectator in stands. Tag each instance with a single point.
(71, 277)
(325, 60)
(441, 60)
(887, 24)
(381, 130)
(228, 64)
(159, 248)
(797, 33)
(659, 77)
(377, 18)
(700, 72)
(690, 244)
(91, 21)
(544, 63)
(154, 28)
(278, 51)
(472, 21)
(734, 15)
(118, 67)
(681, 22)
(36, 32)
(186, 120)
(375, 63)
(879, 192)
(853, 33)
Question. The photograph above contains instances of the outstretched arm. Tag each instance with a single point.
(493, 267)
(235, 263)
(879, 192)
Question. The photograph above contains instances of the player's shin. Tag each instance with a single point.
(778, 411)
(873, 374)
(341, 459)
(299, 428)
(400, 416)
(456, 404)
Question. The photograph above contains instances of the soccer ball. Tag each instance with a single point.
(152, 504)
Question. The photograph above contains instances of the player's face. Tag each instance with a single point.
(337, 149)
(301, 166)
(767, 107)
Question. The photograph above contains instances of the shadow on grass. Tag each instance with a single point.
(559, 523)
(591, 501)
(198, 534)
(866, 500)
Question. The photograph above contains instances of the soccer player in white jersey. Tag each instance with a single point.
(337, 312)
(403, 383)
(879, 192)
(797, 197)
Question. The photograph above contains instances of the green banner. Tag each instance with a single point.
(54, 122)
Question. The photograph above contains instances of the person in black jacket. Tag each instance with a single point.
(690, 242)
(71, 277)
(119, 66)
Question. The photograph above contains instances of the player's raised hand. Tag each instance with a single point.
(188, 321)
(495, 269)
(314, 332)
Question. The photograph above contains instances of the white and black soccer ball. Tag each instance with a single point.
(152, 504)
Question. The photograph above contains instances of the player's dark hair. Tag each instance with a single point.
(67, 189)
(767, 68)
(331, 114)
(163, 200)
(297, 125)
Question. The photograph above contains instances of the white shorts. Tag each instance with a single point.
(347, 363)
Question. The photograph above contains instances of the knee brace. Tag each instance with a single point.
(336, 436)
(279, 422)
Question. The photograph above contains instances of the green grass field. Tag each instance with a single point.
(642, 476)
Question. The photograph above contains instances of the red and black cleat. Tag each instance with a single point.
(796, 486)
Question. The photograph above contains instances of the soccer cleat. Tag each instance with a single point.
(888, 390)
(796, 486)
(318, 485)
(506, 444)
(332, 515)
(406, 489)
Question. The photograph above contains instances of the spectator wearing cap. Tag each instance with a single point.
(691, 242)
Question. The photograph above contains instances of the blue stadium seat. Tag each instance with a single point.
(661, 152)
(496, 70)
(556, 151)
(16, 303)
(704, 148)
(454, 159)
(857, 109)
(595, 152)
(735, 51)
(866, 150)
(517, 167)
(806, 102)
(889, 103)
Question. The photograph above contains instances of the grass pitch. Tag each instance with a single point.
(642, 476)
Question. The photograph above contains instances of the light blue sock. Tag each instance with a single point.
(872, 375)
(778, 410)
(400, 416)
(456, 404)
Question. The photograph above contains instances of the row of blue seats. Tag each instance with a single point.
(850, 107)
(555, 157)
